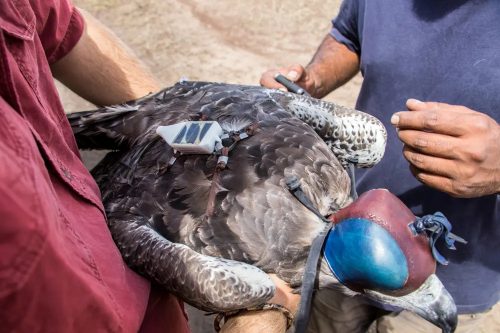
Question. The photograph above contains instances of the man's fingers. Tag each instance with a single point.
(267, 80)
(284, 294)
(416, 105)
(430, 164)
(440, 121)
(436, 181)
(442, 183)
(293, 73)
(432, 144)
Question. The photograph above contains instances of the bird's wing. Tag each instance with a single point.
(120, 126)
(209, 283)
(354, 136)
(97, 129)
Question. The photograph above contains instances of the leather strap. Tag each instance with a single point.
(312, 263)
(309, 280)
(436, 226)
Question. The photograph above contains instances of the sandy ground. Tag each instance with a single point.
(219, 40)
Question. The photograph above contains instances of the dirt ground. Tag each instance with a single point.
(219, 40)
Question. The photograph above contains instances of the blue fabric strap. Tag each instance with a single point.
(436, 226)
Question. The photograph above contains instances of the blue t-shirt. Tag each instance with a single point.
(433, 50)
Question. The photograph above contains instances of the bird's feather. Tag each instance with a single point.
(153, 208)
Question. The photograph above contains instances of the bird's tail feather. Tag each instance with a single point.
(102, 128)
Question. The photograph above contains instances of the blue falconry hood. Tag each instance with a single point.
(360, 252)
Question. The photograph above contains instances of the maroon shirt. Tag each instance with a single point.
(59, 268)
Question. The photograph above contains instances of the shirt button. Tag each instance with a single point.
(67, 174)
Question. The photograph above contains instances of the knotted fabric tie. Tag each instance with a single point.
(436, 226)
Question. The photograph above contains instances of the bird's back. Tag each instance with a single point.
(254, 217)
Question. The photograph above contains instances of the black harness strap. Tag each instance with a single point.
(312, 263)
(350, 171)
(309, 280)
(293, 185)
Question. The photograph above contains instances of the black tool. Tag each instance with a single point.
(289, 85)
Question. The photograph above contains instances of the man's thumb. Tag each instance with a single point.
(295, 73)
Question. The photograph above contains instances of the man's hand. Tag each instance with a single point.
(296, 73)
(269, 321)
(332, 66)
(451, 148)
(284, 295)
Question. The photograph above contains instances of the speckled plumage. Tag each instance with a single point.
(157, 214)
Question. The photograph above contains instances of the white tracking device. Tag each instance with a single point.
(192, 137)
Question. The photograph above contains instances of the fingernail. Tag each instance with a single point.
(292, 75)
(414, 101)
(283, 89)
(395, 119)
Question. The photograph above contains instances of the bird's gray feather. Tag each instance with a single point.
(153, 209)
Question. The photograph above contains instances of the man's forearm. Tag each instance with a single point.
(269, 321)
(332, 66)
(102, 69)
